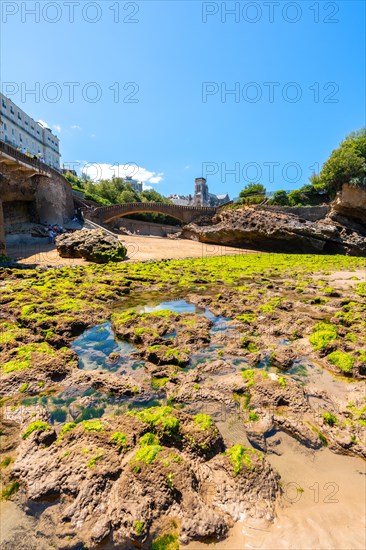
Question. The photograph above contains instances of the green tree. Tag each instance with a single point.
(295, 198)
(307, 195)
(150, 195)
(253, 193)
(74, 180)
(253, 189)
(84, 177)
(280, 197)
(128, 195)
(346, 164)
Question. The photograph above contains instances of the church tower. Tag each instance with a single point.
(201, 192)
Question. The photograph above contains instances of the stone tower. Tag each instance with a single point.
(201, 192)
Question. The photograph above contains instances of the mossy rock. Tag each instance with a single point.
(94, 245)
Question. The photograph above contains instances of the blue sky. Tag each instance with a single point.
(176, 60)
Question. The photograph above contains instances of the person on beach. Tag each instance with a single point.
(51, 236)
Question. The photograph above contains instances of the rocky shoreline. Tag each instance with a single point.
(167, 432)
(342, 229)
(272, 231)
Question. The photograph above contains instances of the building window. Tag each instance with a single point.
(20, 138)
(11, 110)
(26, 122)
(5, 128)
(3, 104)
(19, 117)
(12, 132)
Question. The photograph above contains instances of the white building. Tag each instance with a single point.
(135, 184)
(23, 132)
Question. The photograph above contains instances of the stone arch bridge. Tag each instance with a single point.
(185, 214)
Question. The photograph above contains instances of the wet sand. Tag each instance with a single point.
(323, 507)
(138, 249)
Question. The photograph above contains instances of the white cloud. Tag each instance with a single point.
(157, 178)
(187, 167)
(43, 123)
(57, 127)
(92, 135)
(107, 171)
(75, 127)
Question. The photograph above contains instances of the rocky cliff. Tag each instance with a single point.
(36, 198)
(351, 203)
(341, 231)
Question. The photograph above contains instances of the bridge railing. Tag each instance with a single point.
(168, 206)
(36, 163)
(18, 155)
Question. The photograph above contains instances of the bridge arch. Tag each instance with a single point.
(143, 211)
(184, 214)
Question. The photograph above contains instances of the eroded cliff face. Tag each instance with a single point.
(341, 231)
(351, 202)
(33, 199)
(54, 199)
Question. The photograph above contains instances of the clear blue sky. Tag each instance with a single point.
(172, 49)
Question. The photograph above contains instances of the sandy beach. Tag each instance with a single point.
(138, 249)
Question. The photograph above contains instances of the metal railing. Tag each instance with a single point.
(18, 155)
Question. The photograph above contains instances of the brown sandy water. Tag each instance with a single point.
(323, 505)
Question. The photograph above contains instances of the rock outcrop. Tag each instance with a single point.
(116, 476)
(351, 203)
(93, 245)
(266, 229)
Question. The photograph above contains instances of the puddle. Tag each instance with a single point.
(220, 324)
(283, 342)
(95, 345)
(176, 306)
(309, 373)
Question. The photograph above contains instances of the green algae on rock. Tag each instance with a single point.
(145, 464)
(94, 245)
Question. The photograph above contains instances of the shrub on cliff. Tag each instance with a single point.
(253, 193)
(346, 164)
(280, 198)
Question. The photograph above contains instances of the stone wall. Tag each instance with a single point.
(309, 213)
(2, 231)
(54, 200)
(17, 213)
(145, 228)
(32, 199)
